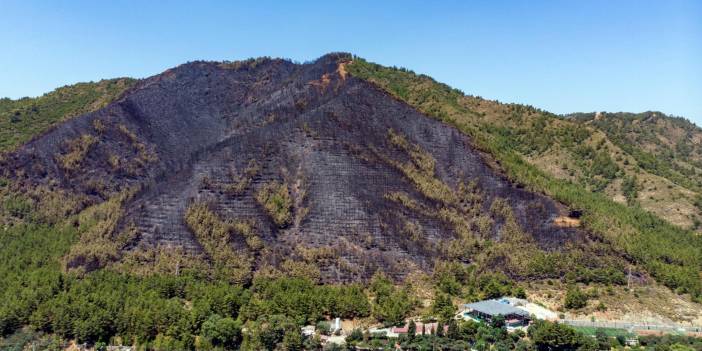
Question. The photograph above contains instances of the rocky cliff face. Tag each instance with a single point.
(297, 162)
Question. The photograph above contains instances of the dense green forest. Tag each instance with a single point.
(190, 311)
(47, 306)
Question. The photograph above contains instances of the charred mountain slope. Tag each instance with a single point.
(298, 166)
(556, 156)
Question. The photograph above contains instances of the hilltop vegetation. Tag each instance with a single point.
(22, 119)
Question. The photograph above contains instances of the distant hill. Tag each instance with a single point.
(662, 148)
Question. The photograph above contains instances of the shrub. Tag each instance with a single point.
(324, 327)
(554, 336)
(575, 298)
(224, 332)
(78, 149)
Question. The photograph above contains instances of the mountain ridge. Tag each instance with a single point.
(126, 124)
(140, 162)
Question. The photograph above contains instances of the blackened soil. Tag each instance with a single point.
(185, 134)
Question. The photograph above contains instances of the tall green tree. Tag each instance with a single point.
(443, 307)
(411, 330)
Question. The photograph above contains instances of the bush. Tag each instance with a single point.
(324, 327)
(224, 332)
(575, 298)
(549, 336)
(355, 336)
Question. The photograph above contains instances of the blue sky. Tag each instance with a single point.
(563, 56)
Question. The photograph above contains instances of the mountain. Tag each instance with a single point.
(258, 186)
(270, 163)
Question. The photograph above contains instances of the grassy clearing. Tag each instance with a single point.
(610, 332)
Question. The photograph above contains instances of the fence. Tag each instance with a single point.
(634, 326)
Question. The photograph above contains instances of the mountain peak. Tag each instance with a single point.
(294, 159)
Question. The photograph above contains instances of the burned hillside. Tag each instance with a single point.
(269, 164)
